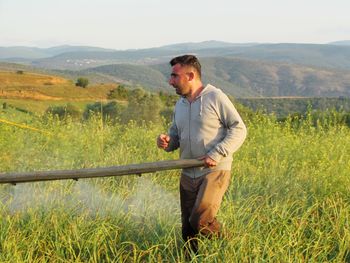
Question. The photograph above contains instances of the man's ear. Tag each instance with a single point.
(190, 75)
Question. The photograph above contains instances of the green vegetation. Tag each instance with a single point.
(82, 82)
(240, 77)
(44, 87)
(288, 200)
(119, 93)
(64, 112)
(282, 107)
(134, 75)
(110, 111)
(30, 94)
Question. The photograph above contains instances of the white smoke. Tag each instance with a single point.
(146, 201)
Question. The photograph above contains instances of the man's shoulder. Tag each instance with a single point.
(214, 92)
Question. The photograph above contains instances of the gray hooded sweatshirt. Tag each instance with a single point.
(210, 125)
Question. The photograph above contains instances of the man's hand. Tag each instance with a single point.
(208, 162)
(163, 141)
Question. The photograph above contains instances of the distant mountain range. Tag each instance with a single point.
(243, 70)
(19, 53)
(341, 43)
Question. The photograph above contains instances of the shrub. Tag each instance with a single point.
(62, 112)
(82, 82)
(142, 107)
(109, 111)
(120, 93)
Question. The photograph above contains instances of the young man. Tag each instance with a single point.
(206, 126)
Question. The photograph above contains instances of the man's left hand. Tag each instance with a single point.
(208, 162)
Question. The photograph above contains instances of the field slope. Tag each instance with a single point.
(287, 202)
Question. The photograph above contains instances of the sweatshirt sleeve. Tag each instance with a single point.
(174, 137)
(236, 130)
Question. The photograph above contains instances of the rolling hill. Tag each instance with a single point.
(242, 70)
(241, 78)
(319, 55)
(19, 53)
(38, 86)
(341, 43)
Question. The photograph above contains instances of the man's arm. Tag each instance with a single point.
(163, 141)
(236, 130)
(169, 142)
(208, 162)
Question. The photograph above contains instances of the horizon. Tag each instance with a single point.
(134, 24)
(171, 44)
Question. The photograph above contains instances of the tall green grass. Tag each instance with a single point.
(288, 200)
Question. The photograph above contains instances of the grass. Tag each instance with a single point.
(35, 93)
(40, 87)
(288, 200)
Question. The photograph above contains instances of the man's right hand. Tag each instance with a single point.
(163, 141)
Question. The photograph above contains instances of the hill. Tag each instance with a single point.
(35, 86)
(191, 46)
(341, 43)
(242, 70)
(82, 60)
(241, 78)
(134, 75)
(238, 77)
(328, 56)
(334, 55)
(36, 91)
(276, 79)
(19, 53)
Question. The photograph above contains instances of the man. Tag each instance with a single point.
(206, 126)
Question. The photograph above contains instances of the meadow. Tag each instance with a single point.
(288, 200)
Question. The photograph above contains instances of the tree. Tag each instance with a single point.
(120, 93)
(110, 111)
(142, 107)
(82, 82)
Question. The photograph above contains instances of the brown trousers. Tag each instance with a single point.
(200, 201)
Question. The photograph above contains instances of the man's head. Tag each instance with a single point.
(186, 75)
(189, 61)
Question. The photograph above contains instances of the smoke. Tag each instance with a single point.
(145, 200)
(22, 197)
(92, 200)
(152, 201)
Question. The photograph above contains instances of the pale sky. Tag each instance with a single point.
(129, 24)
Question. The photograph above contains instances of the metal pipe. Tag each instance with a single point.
(23, 177)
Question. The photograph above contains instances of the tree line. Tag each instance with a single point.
(125, 104)
(136, 104)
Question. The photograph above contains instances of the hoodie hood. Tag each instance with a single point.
(206, 90)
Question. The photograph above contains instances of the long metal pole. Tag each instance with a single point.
(14, 178)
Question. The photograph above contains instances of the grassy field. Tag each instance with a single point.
(35, 93)
(40, 87)
(288, 200)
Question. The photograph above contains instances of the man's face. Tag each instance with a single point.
(179, 79)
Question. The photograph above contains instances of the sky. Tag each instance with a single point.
(136, 24)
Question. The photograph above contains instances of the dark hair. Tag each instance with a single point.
(188, 60)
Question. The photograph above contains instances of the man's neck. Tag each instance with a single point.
(195, 92)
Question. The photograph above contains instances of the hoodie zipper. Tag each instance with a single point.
(189, 134)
